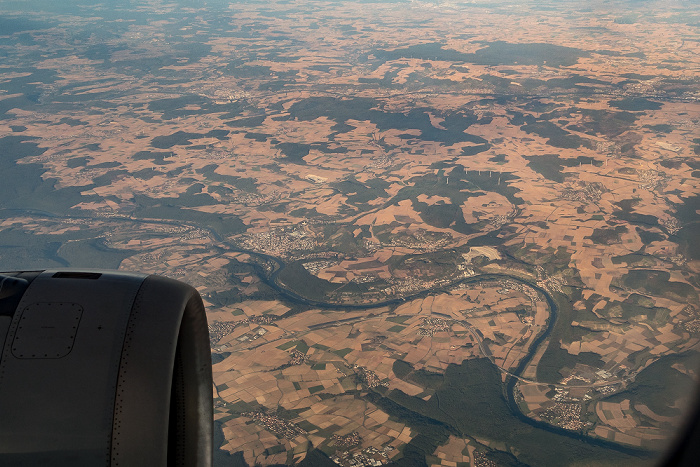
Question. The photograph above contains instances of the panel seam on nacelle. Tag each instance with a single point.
(121, 369)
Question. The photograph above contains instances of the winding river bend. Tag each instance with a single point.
(269, 277)
(271, 281)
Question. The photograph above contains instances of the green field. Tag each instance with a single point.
(659, 386)
(658, 283)
(297, 278)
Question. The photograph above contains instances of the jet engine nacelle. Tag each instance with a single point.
(103, 368)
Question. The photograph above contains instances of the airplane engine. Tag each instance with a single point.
(103, 368)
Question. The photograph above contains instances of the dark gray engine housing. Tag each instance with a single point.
(103, 368)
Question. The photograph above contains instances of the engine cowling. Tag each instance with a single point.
(103, 368)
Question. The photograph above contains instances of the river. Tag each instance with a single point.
(270, 279)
